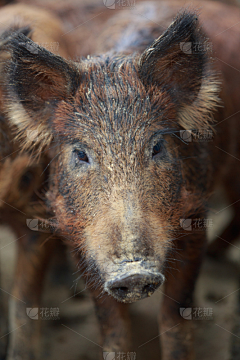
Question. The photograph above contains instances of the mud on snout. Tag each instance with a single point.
(129, 281)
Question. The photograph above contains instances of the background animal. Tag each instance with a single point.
(22, 178)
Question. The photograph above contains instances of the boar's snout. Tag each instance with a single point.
(134, 286)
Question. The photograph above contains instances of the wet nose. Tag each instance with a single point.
(133, 287)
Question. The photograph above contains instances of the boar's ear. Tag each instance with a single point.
(178, 63)
(37, 81)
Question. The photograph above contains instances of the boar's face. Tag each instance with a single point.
(118, 182)
(118, 187)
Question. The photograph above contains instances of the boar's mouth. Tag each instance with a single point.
(134, 284)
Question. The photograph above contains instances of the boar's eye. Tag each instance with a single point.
(157, 148)
(81, 155)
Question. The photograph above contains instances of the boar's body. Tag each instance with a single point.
(124, 177)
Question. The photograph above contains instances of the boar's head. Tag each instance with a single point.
(119, 183)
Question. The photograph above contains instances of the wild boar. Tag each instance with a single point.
(123, 177)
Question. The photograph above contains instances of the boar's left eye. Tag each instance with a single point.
(157, 148)
(81, 155)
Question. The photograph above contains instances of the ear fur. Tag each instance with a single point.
(37, 81)
(178, 63)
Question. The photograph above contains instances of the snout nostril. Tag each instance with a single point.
(148, 288)
(121, 290)
(151, 287)
(135, 286)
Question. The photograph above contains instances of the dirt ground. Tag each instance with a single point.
(75, 335)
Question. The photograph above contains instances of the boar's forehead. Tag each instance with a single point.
(113, 107)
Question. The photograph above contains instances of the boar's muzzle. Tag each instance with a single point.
(134, 285)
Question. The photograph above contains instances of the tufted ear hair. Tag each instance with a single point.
(36, 82)
(178, 63)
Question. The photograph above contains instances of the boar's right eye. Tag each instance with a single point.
(157, 149)
(81, 156)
